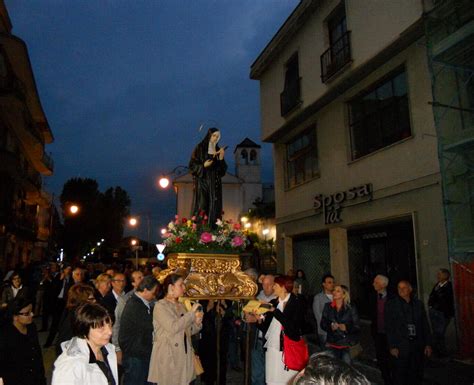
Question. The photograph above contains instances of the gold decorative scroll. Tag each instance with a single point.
(211, 276)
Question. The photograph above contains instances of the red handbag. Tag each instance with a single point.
(295, 353)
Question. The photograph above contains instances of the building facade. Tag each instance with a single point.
(25, 208)
(345, 91)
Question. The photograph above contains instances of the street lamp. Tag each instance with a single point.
(135, 247)
(163, 231)
(248, 225)
(73, 209)
(134, 221)
(164, 180)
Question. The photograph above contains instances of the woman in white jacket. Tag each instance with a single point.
(88, 358)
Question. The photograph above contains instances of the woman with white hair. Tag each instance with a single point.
(341, 322)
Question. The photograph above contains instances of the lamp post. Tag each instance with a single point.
(164, 180)
(134, 220)
(135, 247)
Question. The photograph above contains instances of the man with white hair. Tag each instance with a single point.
(378, 327)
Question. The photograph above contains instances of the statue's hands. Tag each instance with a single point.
(208, 163)
(221, 153)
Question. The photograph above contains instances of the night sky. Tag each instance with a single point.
(125, 85)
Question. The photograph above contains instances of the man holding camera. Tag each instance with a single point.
(408, 334)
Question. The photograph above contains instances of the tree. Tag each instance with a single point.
(100, 215)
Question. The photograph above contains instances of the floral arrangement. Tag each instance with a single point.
(196, 235)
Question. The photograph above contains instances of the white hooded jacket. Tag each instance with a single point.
(72, 367)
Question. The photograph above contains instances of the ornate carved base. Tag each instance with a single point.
(211, 276)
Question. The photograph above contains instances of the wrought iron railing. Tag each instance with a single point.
(336, 56)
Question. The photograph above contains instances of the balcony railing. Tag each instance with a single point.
(290, 97)
(336, 56)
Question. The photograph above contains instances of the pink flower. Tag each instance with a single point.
(193, 218)
(237, 241)
(194, 226)
(176, 216)
(206, 237)
(237, 226)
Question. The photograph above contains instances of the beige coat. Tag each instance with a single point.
(169, 363)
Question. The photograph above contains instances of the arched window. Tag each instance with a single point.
(253, 157)
(244, 157)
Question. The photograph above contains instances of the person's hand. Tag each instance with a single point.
(394, 352)
(334, 326)
(197, 308)
(210, 305)
(428, 351)
(208, 163)
(221, 153)
(342, 327)
(198, 319)
(119, 357)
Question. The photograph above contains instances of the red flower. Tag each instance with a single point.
(178, 240)
(184, 220)
(237, 226)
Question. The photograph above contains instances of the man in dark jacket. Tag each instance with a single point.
(136, 332)
(441, 310)
(377, 315)
(409, 336)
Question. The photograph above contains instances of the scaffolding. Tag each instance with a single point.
(449, 31)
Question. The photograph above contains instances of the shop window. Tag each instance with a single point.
(302, 158)
(290, 97)
(380, 115)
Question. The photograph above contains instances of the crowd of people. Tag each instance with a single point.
(116, 325)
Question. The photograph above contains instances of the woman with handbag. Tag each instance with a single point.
(286, 352)
(341, 322)
(172, 357)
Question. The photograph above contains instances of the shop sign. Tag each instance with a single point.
(331, 205)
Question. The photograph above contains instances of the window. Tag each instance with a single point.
(302, 158)
(380, 116)
(290, 97)
(244, 157)
(253, 157)
(339, 52)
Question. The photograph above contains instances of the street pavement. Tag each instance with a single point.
(446, 372)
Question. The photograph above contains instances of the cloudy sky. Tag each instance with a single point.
(126, 84)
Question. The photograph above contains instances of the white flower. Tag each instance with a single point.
(171, 225)
(213, 238)
(219, 223)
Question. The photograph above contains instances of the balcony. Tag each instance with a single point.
(336, 57)
(290, 97)
(48, 162)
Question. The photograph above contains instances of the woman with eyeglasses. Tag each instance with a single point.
(88, 358)
(21, 361)
(77, 295)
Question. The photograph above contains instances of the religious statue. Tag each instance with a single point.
(208, 166)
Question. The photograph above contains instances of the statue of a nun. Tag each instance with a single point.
(207, 165)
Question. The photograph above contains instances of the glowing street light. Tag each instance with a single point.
(163, 231)
(164, 182)
(133, 242)
(74, 209)
(132, 221)
(265, 232)
(244, 219)
(248, 225)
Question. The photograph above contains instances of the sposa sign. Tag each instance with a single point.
(332, 204)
